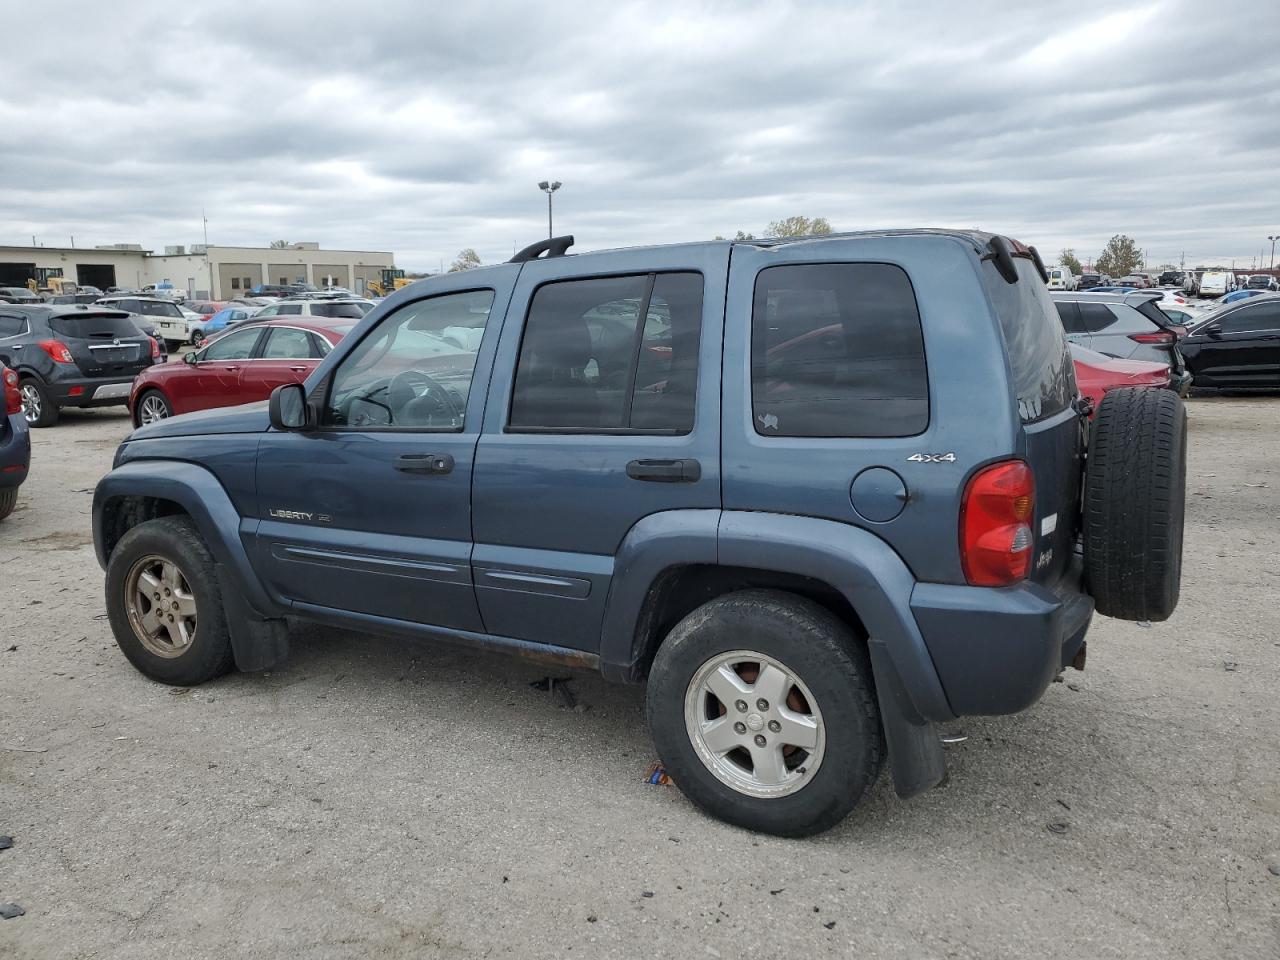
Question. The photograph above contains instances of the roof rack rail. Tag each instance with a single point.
(1035, 256)
(1003, 258)
(552, 247)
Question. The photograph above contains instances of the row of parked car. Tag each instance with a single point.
(1197, 283)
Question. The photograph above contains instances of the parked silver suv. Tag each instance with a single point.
(1125, 325)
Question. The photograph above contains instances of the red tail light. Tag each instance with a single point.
(1165, 337)
(12, 395)
(995, 525)
(57, 350)
(155, 349)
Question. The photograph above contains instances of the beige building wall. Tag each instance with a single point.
(339, 273)
(237, 279)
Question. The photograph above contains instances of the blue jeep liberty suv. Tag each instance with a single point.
(818, 494)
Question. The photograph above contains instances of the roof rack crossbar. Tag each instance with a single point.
(552, 247)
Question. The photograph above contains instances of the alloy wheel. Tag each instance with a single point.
(32, 406)
(161, 606)
(754, 724)
(153, 408)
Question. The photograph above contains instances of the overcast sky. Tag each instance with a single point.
(419, 129)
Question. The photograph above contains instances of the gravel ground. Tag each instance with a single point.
(373, 798)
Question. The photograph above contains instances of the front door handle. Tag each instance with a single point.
(425, 463)
(665, 471)
(298, 369)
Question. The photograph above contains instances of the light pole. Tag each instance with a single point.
(1273, 249)
(549, 189)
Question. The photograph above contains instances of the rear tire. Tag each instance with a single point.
(8, 500)
(165, 605)
(767, 779)
(197, 338)
(1134, 504)
(37, 406)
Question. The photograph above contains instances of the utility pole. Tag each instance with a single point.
(1273, 249)
(549, 189)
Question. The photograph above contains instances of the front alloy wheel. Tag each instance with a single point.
(161, 606)
(754, 724)
(152, 409)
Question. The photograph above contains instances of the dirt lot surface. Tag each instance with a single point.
(373, 798)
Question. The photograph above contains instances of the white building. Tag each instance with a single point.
(213, 272)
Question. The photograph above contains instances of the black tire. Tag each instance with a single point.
(819, 650)
(8, 500)
(48, 416)
(197, 338)
(1134, 504)
(176, 540)
(151, 395)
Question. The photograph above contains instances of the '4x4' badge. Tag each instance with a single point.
(932, 458)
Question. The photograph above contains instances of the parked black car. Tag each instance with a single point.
(72, 356)
(1170, 278)
(1238, 346)
(1262, 281)
(272, 290)
(15, 442)
(18, 295)
(1090, 280)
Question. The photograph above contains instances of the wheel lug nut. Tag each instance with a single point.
(739, 728)
(742, 706)
(762, 704)
(175, 604)
(760, 740)
(775, 726)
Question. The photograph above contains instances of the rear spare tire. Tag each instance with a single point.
(1134, 503)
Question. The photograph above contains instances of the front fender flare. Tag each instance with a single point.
(203, 498)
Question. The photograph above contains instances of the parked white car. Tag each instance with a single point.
(1061, 278)
(1217, 283)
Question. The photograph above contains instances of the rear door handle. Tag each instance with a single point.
(665, 471)
(425, 463)
(298, 369)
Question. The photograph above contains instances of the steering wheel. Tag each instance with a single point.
(403, 392)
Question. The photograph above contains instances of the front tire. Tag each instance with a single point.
(37, 406)
(165, 605)
(762, 707)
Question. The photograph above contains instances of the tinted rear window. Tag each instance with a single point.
(94, 326)
(837, 351)
(351, 311)
(1044, 380)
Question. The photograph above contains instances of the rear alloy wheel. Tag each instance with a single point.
(37, 406)
(197, 338)
(152, 408)
(762, 706)
(8, 500)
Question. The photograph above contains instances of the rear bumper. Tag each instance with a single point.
(15, 451)
(91, 391)
(997, 650)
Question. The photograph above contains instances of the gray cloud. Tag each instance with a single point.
(399, 126)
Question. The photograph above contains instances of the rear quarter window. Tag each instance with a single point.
(837, 351)
(1044, 381)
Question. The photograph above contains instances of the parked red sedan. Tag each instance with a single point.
(1096, 373)
(242, 365)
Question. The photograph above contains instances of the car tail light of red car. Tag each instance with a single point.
(995, 525)
(1165, 337)
(12, 395)
(57, 350)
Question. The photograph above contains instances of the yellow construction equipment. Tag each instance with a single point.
(392, 280)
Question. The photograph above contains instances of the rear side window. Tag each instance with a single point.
(1070, 315)
(610, 354)
(94, 326)
(837, 351)
(1044, 381)
(12, 326)
(1096, 317)
(350, 311)
(287, 343)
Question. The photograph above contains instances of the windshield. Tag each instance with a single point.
(96, 326)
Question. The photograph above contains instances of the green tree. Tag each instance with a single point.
(739, 236)
(280, 244)
(1068, 259)
(1120, 257)
(799, 227)
(467, 259)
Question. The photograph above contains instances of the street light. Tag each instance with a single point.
(549, 189)
(1273, 249)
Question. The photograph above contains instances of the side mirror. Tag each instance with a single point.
(288, 407)
(1213, 329)
(189, 358)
